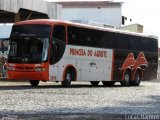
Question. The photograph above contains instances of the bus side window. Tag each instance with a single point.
(58, 43)
(59, 33)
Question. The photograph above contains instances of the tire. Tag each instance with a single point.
(108, 83)
(94, 83)
(69, 76)
(138, 78)
(127, 78)
(34, 83)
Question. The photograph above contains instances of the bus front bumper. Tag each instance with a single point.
(17, 75)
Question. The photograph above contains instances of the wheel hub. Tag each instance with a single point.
(68, 77)
(126, 77)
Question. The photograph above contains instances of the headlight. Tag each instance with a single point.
(40, 69)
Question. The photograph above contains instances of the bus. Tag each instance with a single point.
(63, 51)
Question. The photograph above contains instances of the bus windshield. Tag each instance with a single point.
(28, 50)
(31, 30)
(29, 44)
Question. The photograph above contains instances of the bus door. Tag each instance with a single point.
(57, 51)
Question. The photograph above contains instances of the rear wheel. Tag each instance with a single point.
(138, 78)
(127, 78)
(108, 83)
(94, 83)
(34, 83)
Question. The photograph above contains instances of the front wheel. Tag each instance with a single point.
(34, 83)
(68, 78)
(127, 78)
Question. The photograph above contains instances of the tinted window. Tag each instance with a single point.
(58, 43)
(107, 39)
(111, 40)
(123, 41)
(31, 30)
(84, 36)
(143, 44)
(150, 44)
(115, 40)
(59, 33)
(28, 49)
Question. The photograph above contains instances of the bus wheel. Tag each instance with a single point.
(94, 83)
(108, 83)
(138, 78)
(68, 78)
(127, 78)
(34, 83)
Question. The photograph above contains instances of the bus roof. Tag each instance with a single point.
(69, 23)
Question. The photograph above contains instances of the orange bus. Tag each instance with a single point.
(63, 51)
